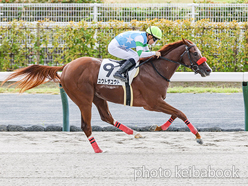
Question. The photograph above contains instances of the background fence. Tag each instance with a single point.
(25, 39)
(23, 43)
(123, 12)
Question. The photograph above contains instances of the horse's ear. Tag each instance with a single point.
(185, 42)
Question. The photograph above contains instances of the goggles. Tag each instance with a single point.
(154, 39)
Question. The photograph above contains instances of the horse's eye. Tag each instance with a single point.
(195, 53)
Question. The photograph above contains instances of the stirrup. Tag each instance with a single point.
(120, 77)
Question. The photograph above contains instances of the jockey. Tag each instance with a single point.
(121, 46)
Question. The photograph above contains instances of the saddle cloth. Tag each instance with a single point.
(108, 69)
(105, 77)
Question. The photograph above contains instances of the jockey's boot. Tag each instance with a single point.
(126, 66)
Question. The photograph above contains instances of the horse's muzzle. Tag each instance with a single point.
(205, 70)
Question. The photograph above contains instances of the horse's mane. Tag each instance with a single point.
(167, 48)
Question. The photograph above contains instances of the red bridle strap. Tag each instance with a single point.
(201, 60)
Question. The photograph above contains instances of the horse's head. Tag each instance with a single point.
(192, 57)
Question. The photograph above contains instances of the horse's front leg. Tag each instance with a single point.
(164, 107)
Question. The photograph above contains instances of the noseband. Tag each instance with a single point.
(194, 66)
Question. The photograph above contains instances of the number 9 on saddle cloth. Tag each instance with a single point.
(109, 67)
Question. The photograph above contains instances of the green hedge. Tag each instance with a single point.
(225, 45)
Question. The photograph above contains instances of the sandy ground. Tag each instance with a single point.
(160, 158)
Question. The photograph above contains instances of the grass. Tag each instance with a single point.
(32, 91)
(175, 89)
(196, 90)
(219, 1)
(47, 88)
(147, 1)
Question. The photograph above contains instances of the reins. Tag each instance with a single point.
(164, 58)
(174, 61)
(191, 66)
(159, 73)
(148, 60)
(144, 62)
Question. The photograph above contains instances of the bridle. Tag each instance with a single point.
(194, 66)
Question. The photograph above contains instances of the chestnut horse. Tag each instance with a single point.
(79, 80)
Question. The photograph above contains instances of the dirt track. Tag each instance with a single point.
(161, 158)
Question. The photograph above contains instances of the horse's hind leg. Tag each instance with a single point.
(86, 127)
(106, 116)
(83, 99)
(165, 126)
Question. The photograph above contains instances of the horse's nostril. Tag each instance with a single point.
(208, 70)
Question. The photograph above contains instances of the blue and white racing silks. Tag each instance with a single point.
(128, 39)
(134, 39)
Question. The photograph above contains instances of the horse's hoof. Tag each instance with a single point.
(98, 151)
(138, 135)
(105, 151)
(199, 141)
(153, 128)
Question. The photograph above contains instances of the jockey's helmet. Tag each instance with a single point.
(154, 31)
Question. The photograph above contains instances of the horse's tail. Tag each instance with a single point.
(34, 76)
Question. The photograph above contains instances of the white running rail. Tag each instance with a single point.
(187, 77)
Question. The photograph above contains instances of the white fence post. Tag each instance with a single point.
(95, 12)
(1, 5)
(193, 5)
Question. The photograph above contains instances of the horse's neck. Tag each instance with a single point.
(169, 68)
